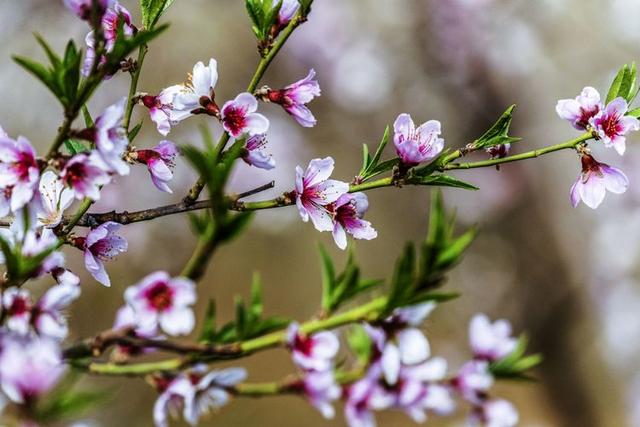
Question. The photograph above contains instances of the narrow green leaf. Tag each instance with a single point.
(256, 297)
(208, 333)
(634, 113)
(152, 11)
(41, 72)
(328, 278)
(53, 57)
(446, 181)
(75, 146)
(499, 128)
(614, 89)
(134, 132)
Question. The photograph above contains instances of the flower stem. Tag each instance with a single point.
(367, 311)
(133, 87)
(517, 157)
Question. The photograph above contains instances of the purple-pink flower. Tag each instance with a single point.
(287, 11)
(29, 367)
(162, 110)
(111, 19)
(294, 98)
(16, 307)
(54, 199)
(321, 389)
(160, 162)
(48, 317)
(255, 154)
(612, 125)
(197, 95)
(473, 380)
(83, 8)
(194, 393)
(416, 145)
(348, 211)
(315, 191)
(85, 174)
(19, 171)
(312, 352)
(162, 301)
(239, 116)
(99, 245)
(595, 180)
(582, 109)
(399, 342)
(495, 413)
(110, 137)
(490, 341)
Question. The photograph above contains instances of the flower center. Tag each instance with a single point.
(160, 296)
(22, 166)
(19, 306)
(235, 119)
(612, 126)
(74, 174)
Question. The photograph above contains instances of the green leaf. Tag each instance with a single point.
(70, 405)
(498, 133)
(454, 251)
(445, 181)
(372, 166)
(152, 11)
(256, 297)
(75, 146)
(41, 72)
(134, 132)
(634, 113)
(623, 84)
(328, 277)
(54, 59)
(86, 115)
(208, 333)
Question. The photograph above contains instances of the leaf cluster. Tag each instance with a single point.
(338, 288)
(248, 323)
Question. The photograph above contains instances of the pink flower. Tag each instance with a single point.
(159, 161)
(419, 390)
(582, 109)
(84, 174)
(29, 367)
(594, 181)
(473, 380)
(111, 137)
(111, 19)
(495, 413)
(16, 307)
(83, 8)
(175, 395)
(314, 352)
(19, 171)
(419, 145)
(314, 191)
(294, 98)
(321, 390)
(239, 116)
(287, 11)
(62, 276)
(48, 315)
(612, 125)
(126, 319)
(348, 211)
(255, 153)
(211, 390)
(54, 200)
(490, 341)
(364, 396)
(159, 300)
(195, 393)
(197, 95)
(399, 342)
(162, 110)
(99, 245)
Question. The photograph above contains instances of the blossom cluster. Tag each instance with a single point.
(609, 124)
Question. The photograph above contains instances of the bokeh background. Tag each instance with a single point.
(567, 276)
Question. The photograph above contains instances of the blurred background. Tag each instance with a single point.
(568, 277)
